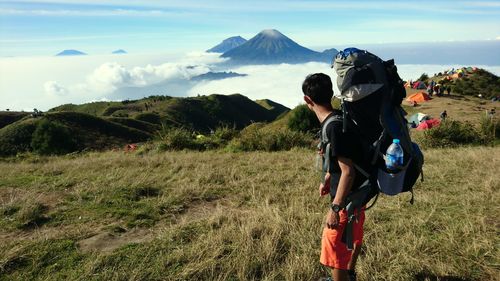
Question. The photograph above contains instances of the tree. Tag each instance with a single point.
(423, 77)
(302, 119)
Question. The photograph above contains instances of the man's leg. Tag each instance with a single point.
(354, 256)
(340, 275)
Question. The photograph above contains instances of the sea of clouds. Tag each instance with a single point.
(46, 82)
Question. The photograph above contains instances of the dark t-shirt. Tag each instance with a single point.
(347, 145)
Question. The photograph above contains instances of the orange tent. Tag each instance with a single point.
(418, 97)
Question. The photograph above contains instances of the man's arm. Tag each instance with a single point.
(346, 179)
(345, 183)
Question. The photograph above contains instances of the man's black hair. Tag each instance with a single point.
(318, 87)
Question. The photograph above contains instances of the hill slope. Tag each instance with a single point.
(201, 113)
(251, 216)
(88, 132)
(102, 125)
(8, 117)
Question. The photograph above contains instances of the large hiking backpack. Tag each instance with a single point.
(371, 94)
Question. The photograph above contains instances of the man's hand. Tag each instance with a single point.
(324, 189)
(332, 219)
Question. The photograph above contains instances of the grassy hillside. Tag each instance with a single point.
(88, 131)
(9, 117)
(102, 125)
(458, 107)
(201, 113)
(236, 216)
(472, 83)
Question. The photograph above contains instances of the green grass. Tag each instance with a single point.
(201, 113)
(236, 216)
(9, 117)
(88, 131)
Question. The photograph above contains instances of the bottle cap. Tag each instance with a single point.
(395, 140)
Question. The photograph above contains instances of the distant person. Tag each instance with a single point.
(491, 113)
(340, 177)
(429, 90)
(443, 115)
(448, 90)
(435, 89)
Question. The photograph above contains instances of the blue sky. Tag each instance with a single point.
(98, 27)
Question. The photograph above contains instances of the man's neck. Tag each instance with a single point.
(322, 112)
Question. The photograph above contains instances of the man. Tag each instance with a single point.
(338, 180)
(443, 115)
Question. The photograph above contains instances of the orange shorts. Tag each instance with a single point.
(334, 252)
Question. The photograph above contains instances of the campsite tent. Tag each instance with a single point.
(417, 118)
(418, 97)
(427, 124)
(419, 85)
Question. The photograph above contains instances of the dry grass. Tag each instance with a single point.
(461, 108)
(237, 216)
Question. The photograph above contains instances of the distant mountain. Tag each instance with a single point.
(228, 44)
(217, 76)
(70, 53)
(120, 51)
(271, 46)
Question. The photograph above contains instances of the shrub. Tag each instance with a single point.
(255, 137)
(303, 120)
(490, 129)
(16, 138)
(451, 133)
(52, 138)
(176, 138)
(225, 133)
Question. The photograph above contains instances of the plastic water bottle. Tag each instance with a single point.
(394, 156)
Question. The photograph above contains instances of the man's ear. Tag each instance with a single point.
(308, 100)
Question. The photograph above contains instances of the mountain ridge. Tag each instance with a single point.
(227, 44)
(70, 52)
(272, 47)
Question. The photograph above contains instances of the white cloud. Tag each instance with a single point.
(52, 88)
(281, 83)
(110, 77)
(51, 81)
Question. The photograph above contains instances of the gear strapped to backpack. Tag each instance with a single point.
(371, 94)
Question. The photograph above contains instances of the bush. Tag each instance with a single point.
(451, 133)
(16, 138)
(303, 120)
(52, 138)
(490, 129)
(225, 134)
(256, 137)
(176, 139)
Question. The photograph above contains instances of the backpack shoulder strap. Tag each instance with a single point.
(324, 136)
(326, 142)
